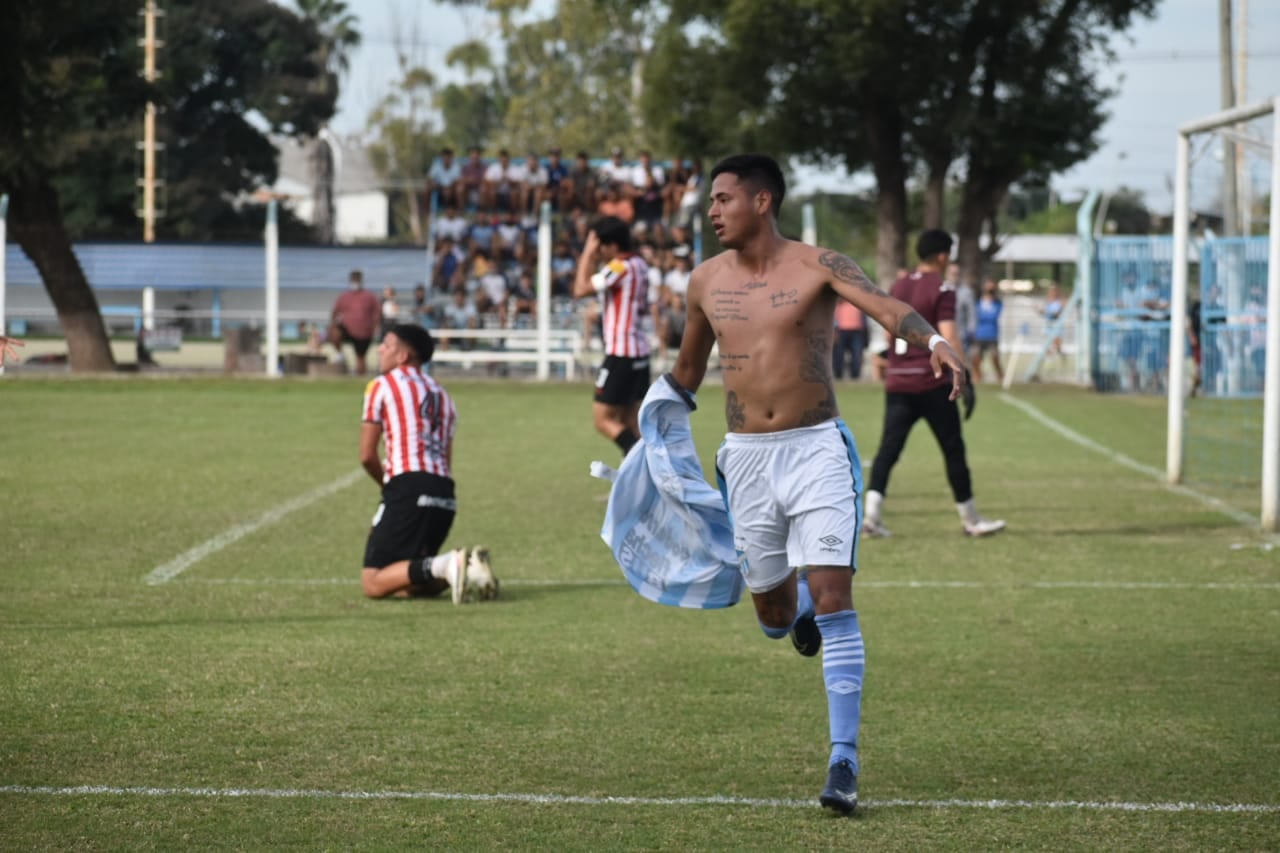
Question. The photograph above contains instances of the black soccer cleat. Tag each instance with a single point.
(841, 793)
(806, 637)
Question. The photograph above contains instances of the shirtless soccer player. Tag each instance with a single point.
(788, 465)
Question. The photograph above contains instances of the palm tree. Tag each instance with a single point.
(339, 37)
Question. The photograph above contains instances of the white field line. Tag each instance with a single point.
(168, 571)
(1238, 516)
(558, 799)
(902, 584)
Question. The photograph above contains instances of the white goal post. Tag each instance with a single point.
(1222, 121)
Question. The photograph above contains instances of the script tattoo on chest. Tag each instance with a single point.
(755, 285)
(733, 362)
(785, 297)
(734, 414)
(726, 305)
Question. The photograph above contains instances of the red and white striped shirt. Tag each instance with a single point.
(623, 284)
(418, 420)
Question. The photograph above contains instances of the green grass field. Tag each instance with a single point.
(1102, 676)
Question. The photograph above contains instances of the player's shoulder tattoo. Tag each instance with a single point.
(846, 270)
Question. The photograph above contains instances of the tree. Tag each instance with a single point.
(72, 93)
(401, 150)
(1003, 88)
(338, 38)
(472, 110)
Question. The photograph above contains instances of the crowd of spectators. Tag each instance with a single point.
(485, 234)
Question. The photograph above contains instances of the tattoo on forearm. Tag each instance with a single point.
(734, 415)
(847, 271)
(915, 330)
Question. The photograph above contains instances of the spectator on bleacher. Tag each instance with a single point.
(524, 297)
(691, 198)
(445, 180)
(452, 224)
(491, 297)
(482, 232)
(610, 270)
(647, 181)
(614, 171)
(449, 260)
(420, 312)
(503, 184)
(390, 307)
(460, 313)
(578, 190)
(473, 171)
(563, 264)
(986, 334)
(416, 417)
(354, 319)
(557, 172)
(534, 190)
(616, 203)
(509, 233)
(681, 245)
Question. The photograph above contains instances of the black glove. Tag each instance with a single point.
(682, 391)
(968, 396)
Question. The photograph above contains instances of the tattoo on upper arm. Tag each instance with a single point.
(915, 330)
(847, 271)
(734, 413)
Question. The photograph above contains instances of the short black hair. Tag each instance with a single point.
(933, 241)
(417, 339)
(613, 231)
(760, 171)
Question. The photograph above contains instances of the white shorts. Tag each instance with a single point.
(795, 498)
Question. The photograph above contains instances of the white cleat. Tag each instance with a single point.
(873, 528)
(481, 582)
(458, 563)
(983, 527)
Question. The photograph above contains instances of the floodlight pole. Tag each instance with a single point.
(273, 291)
(1178, 311)
(1270, 519)
(544, 291)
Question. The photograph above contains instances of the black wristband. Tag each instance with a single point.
(680, 389)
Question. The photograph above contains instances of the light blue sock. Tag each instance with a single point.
(804, 607)
(843, 664)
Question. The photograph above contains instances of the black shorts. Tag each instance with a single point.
(622, 380)
(412, 521)
(361, 345)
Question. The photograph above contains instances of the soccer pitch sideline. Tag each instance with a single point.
(187, 661)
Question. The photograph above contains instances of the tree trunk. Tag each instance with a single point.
(884, 133)
(979, 205)
(36, 221)
(322, 190)
(935, 197)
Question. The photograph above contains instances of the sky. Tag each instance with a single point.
(1166, 74)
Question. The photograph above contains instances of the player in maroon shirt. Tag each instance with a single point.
(913, 391)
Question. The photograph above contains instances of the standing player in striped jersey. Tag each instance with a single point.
(402, 557)
(622, 283)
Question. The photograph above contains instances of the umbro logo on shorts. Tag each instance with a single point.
(831, 540)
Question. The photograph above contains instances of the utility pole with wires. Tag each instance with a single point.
(1230, 204)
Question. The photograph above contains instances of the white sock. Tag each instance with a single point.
(874, 501)
(440, 565)
(968, 512)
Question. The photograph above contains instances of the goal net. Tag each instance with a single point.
(1224, 333)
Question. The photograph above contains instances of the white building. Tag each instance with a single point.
(362, 205)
